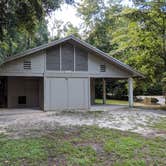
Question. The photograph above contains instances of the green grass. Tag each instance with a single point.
(83, 146)
(116, 102)
(154, 107)
(32, 149)
(123, 146)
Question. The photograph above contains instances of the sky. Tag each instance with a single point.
(67, 13)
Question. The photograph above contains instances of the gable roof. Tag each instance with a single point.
(80, 42)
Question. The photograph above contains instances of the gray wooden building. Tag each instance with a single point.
(59, 75)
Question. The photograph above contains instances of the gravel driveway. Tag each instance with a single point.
(123, 118)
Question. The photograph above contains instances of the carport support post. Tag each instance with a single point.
(130, 91)
(92, 85)
(104, 91)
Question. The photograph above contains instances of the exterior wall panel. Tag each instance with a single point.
(57, 93)
(78, 93)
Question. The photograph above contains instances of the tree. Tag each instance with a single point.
(164, 85)
(69, 29)
(23, 25)
(92, 11)
(98, 21)
(16, 42)
(23, 14)
(141, 42)
(135, 35)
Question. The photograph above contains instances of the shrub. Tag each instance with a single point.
(148, 100)
(138, 99)
(154, 100)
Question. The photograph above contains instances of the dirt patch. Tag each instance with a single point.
(135, 120)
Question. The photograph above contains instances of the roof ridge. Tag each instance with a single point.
(81, 42)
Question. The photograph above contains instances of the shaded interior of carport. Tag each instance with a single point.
(99, 89)
(21, 92)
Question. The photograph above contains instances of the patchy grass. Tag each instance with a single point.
(116, 102)
(152, 107)
(82, 114)
(31, 149)
(83, 146)
(123, 146)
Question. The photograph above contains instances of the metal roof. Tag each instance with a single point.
(80, 42)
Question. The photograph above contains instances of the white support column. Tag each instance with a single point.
(60, 50)
(130, 91)
(74, 58)
(89, 93)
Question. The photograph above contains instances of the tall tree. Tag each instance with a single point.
(142, 43)
(135, 35)
(19, 41)
(69, 29)
(23, 14)
(164, 85)
(23, 25)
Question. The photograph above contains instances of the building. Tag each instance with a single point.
(59, 75)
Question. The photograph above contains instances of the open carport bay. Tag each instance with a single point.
(21, 92)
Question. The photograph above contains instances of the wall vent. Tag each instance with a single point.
(27, 65)
(102, 68)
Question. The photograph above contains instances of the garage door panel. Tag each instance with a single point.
(57, 93)
(77, 90)
(68, 93)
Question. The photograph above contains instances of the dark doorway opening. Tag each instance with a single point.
(111, 91)
(3, 92)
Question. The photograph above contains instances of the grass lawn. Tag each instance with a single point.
(84, 146)
(152, 106)
(121, 102)
(136, 105)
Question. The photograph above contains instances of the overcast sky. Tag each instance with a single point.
(68, 13)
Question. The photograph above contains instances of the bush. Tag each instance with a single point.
(154, 100)
(148, 100)
(138, 99)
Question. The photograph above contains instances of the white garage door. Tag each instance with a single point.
(67, 93)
